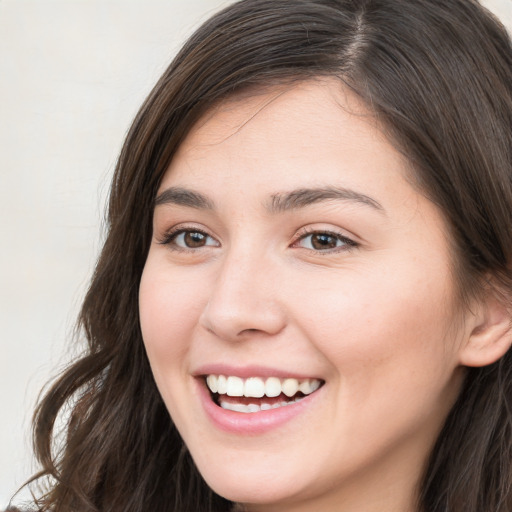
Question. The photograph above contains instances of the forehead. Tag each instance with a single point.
(282, 130)
(306, 106)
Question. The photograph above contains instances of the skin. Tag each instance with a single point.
(377, 320)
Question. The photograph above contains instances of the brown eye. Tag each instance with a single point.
(322, 241)
(325, 241)
(194, 239)
(190, 239)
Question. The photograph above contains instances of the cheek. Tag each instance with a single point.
(386, 328)
(169, 308)
(391, 356)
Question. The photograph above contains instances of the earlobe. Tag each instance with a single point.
(491, 335)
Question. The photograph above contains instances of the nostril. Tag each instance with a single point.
(248, 331)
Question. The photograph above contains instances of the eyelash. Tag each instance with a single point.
(348, 243)
(170, 237)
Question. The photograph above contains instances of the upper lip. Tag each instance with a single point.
(245, 372)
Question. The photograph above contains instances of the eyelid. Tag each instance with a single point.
(171, 234)
(348, 242)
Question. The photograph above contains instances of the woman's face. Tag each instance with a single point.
(292, 256)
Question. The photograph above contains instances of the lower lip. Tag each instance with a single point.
(253, 422)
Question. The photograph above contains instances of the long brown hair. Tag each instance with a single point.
(438, 76)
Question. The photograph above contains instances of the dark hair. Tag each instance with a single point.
(437, 74)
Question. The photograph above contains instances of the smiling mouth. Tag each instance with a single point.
(256, 394)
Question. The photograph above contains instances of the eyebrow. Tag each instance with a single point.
(279, 203)
(307, 196)
(184, 197)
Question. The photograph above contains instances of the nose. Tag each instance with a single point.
(244, 300)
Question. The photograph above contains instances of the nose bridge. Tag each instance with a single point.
(244, 297)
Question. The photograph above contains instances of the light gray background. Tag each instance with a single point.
(72, 76)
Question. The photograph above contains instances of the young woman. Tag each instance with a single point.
(304, 298)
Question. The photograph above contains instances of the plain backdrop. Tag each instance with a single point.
(72, 76)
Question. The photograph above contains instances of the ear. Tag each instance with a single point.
(491, 331)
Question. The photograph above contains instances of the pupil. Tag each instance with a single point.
(323, 241)
(194, 239)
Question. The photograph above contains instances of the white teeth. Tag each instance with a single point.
(211, 380)
(290, 387)
(272, 387)
(235, 386)
(234, 407)
(256, 387)
(308, 386)
(254, 407)
(222, 385)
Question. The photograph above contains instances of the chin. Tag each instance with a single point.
(259, 482)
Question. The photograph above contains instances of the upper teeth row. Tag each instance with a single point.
(257, 387)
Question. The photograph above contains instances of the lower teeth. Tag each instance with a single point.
(255, 407)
